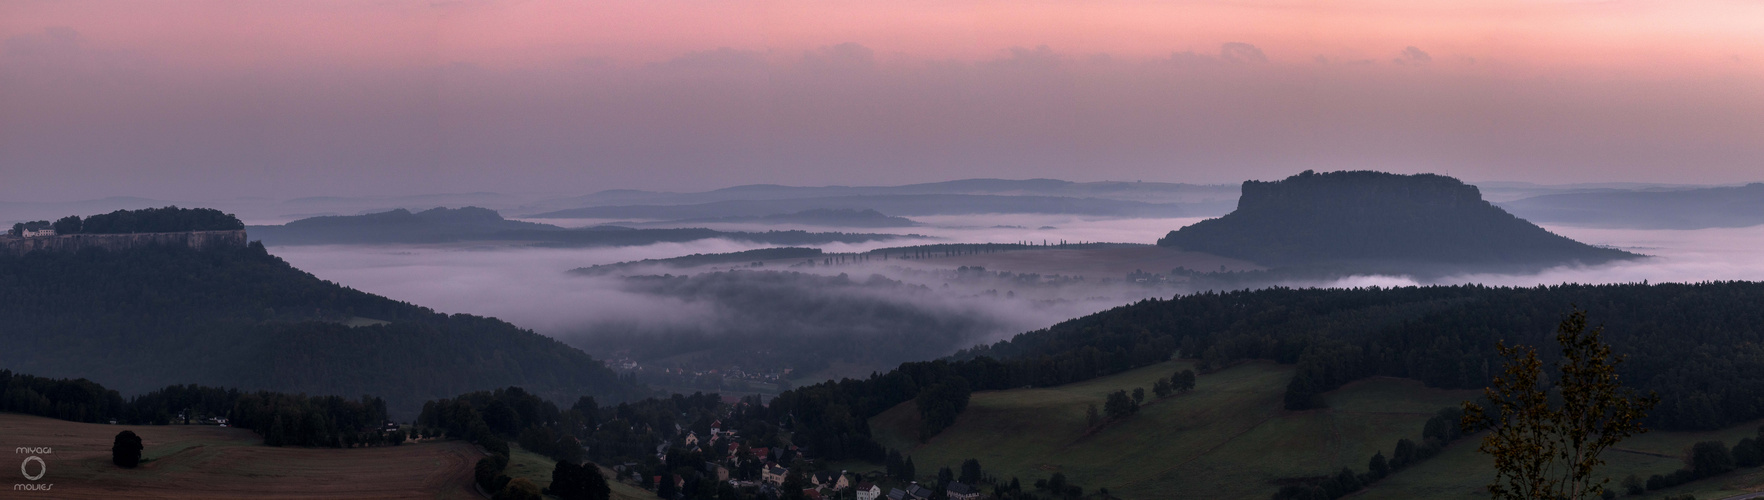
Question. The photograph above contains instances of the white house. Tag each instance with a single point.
(868, 491)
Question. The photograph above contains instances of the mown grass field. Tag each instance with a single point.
(214, 462)
(1230, 438)
(1462, 472)
(537, 468)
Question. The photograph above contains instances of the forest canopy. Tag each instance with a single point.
(150, 220)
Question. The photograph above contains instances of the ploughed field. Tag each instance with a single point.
(1231, 438)
(191, 461)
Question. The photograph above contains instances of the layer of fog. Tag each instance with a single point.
(532, 288)
(1674, 256)
(980, 228)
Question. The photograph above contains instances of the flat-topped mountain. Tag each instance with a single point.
(1381, 221)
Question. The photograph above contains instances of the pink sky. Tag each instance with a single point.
(1646, 37)
(626, 93)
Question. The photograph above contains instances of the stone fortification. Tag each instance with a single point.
(115, 242)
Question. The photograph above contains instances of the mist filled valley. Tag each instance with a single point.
(872, 335)
(869, 250)
(708, 327)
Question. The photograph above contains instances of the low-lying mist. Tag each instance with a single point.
(848, 320)
(1675, 256)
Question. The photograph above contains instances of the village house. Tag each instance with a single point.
(830, 480)
(718, 471)
(917, 492)
(868, 491)
(774, 474)
(961, 491)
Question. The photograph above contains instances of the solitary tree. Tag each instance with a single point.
(1378, 467)
(970, 471)
(1182, 381)
(1119, 405)
(126, 451)
(1544, 449)
(518, 489)
(579, 482)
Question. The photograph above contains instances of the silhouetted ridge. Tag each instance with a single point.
(143, 318)
(1378, 219)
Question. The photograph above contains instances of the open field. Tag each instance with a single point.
(1462, 472)
(214, 462)
(537, 468)
(1230, 438)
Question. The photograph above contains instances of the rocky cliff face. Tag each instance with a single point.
(1359, 192)
(115, 242)
(1375, 219)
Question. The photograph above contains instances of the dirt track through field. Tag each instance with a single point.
(213, 462)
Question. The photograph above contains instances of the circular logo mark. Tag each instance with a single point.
(25, 468)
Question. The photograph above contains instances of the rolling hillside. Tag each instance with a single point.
(149, 317)
(1230, 438)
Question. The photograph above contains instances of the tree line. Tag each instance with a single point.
(150, 220)
(1440, 430)
(281, 419)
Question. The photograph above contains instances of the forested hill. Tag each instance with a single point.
(1379, 221)
(145, 318)
(1701, 346)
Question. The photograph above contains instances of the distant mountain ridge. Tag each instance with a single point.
(1151, 192)
(1737, 206)
(894, 204)
(474, 224)
(1369, 219)
(830, 217)
(396, 226)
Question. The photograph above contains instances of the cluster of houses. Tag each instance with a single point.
(955, 491)
(623, 362)
(32, 229)
(773, 475)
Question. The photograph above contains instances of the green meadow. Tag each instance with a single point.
(1231, 438)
